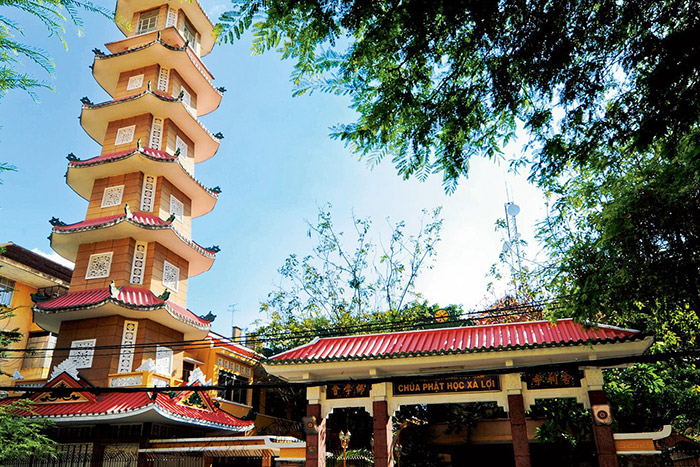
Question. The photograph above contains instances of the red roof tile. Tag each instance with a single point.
(152, 153)
(130, 296)
(104, 405)
(455, 340)
(220, 341)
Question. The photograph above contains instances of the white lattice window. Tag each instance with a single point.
(148, 193)
(99, 265)
(148, 21)
(112, 196)
(163, 79)
(135, 82)
(138, 265)
(189, 32)
(126, 355)
(182, 146)
(171, 20)
(177, 208)
(171, 276)
(156, 133)
(125, 135)
(164, 360)
(81, 353)
(187, 99)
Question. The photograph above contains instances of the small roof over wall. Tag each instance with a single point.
(450, 349)
(31, 268)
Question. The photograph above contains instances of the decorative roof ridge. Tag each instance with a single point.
(132, 218)
(144, 151)
(163, 411)
(87, 104)
(101, 55)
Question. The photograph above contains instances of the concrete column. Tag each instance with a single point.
(603, 434)
(383, 457)
(316, 443)
(518, 429)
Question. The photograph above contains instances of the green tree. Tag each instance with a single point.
(21, 436)
(348, 282)
(436, 83)
(54, 15)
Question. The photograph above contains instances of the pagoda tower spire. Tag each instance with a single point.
(134, 250)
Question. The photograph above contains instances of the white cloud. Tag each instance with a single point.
(55, 257)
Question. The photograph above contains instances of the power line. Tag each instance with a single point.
(605, 362)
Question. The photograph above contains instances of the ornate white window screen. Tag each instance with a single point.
(156, 133)
(125, 135)
(99, 265)
(126, 355)
(164, 361)
(135, 82)
(148, 193)
(138, 264)
(177, 207)
(171, 276)
(81, 353)
(112, 196)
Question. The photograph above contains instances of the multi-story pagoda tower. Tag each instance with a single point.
(134, 251)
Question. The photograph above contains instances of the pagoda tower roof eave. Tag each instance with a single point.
(132, 303)
(193, 10)
(95, 118)
(81, 174)
(107, 67)
(66, 239)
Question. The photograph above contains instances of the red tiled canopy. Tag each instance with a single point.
(126, 296)
(122, 405)
(454, 340)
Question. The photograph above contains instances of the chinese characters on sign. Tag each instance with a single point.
(347, 390)
(447, 385)
(553, 379)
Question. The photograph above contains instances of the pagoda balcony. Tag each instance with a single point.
(192, 9)
(168, 49)
(96, 117)
(128, 302)
(82, 173)
(142, 379)
(66, 239)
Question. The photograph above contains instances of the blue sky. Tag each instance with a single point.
(275, 166)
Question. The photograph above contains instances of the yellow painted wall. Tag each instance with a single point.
(21, 305)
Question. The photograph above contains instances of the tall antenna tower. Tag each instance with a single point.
(512, 245)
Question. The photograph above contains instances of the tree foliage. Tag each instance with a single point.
(352, 283)
(436, 83)
(54, 15)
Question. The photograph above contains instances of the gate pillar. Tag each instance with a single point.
(518, 429)
(602, 430)
(316, 442)
(383, 457)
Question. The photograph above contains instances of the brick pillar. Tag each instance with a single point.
(383, 457)
(518, 430)
(603, 434)
(267, 460)
(316, 443)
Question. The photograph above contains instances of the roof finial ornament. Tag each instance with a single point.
(127, 211)
(164, 296)
(209, 317)
(219, 135)
(113, 289)
(85, 100)
(170, 219)
(148, 85)
(138, 144)
(56, 222)
(71, 157)
(216, 189)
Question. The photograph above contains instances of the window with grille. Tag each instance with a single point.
(156, 133)
(125, 135)
(82, 352)
(148, 21)
(171, 276)
(231, 393)
(7, 287)
(135, 82)
(164, 361)
(40, 345)
(148, 193)
(99, 265)
(112, 196)
(182, 146)
(138, 264)
(189, 32)
(177, 207)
